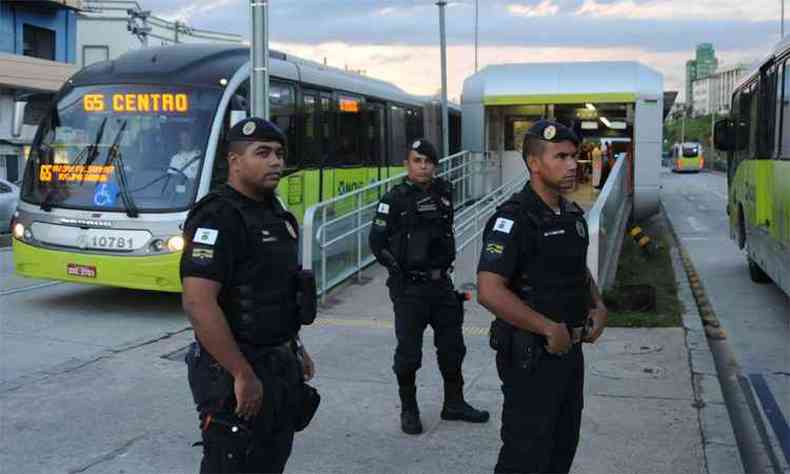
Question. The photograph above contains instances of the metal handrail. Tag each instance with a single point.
(606, 224)
(457, 168)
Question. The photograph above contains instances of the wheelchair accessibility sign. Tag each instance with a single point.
(105, 195)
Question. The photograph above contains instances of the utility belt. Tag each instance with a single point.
(424, 276)
(288, 400)
(524, 349)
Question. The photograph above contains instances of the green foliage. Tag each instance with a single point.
(697, 130)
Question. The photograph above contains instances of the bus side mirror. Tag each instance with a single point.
(724, 135)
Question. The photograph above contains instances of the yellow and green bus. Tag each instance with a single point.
(687, 156)
(127, 146)
(756, 138)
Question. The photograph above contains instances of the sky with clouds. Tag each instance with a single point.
(397, 40)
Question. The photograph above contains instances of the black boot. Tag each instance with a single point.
(456, 408)
(410, 414)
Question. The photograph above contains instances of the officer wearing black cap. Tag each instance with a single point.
(533, 276)
(246, 299)
(412, 235)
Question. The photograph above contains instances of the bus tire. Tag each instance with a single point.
(756, 273)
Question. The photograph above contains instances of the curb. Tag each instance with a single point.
(718, 436)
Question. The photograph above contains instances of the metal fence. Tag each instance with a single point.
(606, 222)
(335, 232)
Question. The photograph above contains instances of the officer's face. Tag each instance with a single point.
(557, 166)
(260, 165)
(419, 168)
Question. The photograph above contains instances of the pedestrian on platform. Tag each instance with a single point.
(412, 235)
(533, 277)
(246, 299)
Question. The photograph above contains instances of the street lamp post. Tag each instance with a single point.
(445, 128)
(259, 58)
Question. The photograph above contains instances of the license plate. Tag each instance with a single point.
(84, 271)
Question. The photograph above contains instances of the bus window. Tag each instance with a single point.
(785, 111)
(414, 128)
(348, 150)
(282, 112)
(398, 142)
(766, 114)
(376, 140)
(311, 145)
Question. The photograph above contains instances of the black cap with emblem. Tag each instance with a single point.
(426, 148)
(550, 131)
(256, 129)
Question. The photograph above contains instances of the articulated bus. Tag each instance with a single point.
(129, 145)
(687, 157)
(756, 138)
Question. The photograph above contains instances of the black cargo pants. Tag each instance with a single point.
(418, 304)
(542, 412)
(232, 445)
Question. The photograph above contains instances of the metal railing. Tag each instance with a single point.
(606, 222)
(335, 232)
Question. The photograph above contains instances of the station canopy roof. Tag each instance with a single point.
(563, 83)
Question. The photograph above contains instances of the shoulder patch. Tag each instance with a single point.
(205, 236)
(384, 208)
(503, 225)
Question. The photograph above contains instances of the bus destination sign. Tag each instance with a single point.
(138, 102)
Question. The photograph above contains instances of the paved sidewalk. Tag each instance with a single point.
(130, 410)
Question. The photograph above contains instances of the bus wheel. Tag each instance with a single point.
(741, 236)
(757, 274)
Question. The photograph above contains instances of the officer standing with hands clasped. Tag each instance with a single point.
(412, 235)
(246, 299)
(533, 276)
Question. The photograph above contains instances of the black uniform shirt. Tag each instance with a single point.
(509, 241)
(391, 221)
(215, 240)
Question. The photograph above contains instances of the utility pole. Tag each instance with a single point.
(259, 58)
(476, 29)
(445, 126)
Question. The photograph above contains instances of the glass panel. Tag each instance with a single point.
(785, 108)
(98, 141)
(398, 142)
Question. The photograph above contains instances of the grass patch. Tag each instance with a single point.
(654, 269)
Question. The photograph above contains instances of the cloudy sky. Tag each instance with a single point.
(397, 40)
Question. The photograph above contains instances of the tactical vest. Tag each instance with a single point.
(260, 302)
(552, 279)
(425, 238)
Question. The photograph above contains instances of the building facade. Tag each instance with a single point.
(714, 93)
(702, 66)
(37, 54)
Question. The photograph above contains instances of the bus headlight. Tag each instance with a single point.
(175, 244)
(19, 231)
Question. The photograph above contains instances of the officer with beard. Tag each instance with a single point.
(246, 299)
(412, 235)
(533, 276)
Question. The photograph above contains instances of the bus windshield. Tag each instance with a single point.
(691, 151)
(114, 148)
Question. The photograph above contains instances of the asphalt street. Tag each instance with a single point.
(755, 317)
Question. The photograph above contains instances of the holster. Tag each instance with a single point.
(306, 296)
(523, 349)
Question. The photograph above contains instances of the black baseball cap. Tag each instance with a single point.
(426, 148)
(256, 129)
(553, 132)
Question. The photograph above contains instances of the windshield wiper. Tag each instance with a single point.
(112, 154)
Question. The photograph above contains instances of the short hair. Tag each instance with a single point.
(533, 146)
(237, 147)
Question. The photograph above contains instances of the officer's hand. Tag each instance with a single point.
(598, 316)
(308, 367)
(249, 395)
(558, 338)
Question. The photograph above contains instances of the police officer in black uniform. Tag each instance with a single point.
(242, 289)
(533, 276)
(412, 235)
